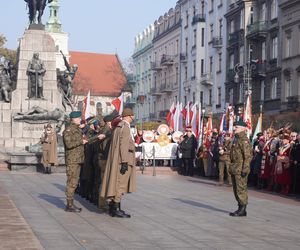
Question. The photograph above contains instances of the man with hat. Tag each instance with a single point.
(49, 145)
(224, 160)
(240, 158)
(120, 173)
(74, 157)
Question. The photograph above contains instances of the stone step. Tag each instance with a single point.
(158, 170)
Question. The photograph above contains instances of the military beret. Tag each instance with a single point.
(259, 134)
(75, 114)
(127, 112)
(108, 118)
(240, 123)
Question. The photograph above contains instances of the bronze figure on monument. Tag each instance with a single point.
(36, 6)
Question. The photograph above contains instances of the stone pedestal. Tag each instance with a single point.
(20, 134)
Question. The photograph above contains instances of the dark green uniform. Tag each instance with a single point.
(224, 162)
(240, 157)
(74, 157)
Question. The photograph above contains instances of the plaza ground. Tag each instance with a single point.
(168, 212)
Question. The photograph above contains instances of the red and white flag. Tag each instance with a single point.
(187, 113)
(87, 106)
(119, 103)
(248, 115)
(170, 116)
(178, 118)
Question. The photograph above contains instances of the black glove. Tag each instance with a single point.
(124, 168)
(243, 174)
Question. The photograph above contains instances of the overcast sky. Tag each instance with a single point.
(99, 26)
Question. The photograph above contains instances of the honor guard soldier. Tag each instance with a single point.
(240, 158)
(74, 157)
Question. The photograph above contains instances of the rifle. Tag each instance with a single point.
(66, 62)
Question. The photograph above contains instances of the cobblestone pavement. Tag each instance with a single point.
(168, 212)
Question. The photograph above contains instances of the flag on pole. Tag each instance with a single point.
(119, 103)
(258, 128)
(170, 116)
(200, 124)
(178, 117)
(223, 124)
(248, 115)
(230, 116)
(187, 113)
(194, 119)
(87, 106)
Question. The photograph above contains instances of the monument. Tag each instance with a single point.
(36, 98)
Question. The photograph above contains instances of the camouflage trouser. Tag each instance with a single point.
(73, 172)
(122, 184)
(222, 166)
(240, 189)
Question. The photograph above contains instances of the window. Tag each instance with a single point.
(288, 45)
(288, 88)
(219, 96)
(202, 7)
(185, 100)
(220, 27)
(186, 19)
(231, 95)
(211, 32)
(201, 98)
(177, 46)
(99, 108)
(263, 12)
(274, 47)
(202, 66)
(210, 64)
(202, 37)
(194, 10)
(251, 21)
(242, 55)
(55, 13)
(194, 68)
(242, 19)
(241, 93)
(186, 45)
(195, 37)
(176, 77)
(231, 27)
(185, 73)
(211, 5)
(194, 97)
(220, 63)
(262, 90)
(231, 61)
(274, 9)
(263, 51)
(274, 88)
(210, 98)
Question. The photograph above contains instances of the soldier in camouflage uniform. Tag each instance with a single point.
(74, 157)
(240, 158)
(224, 160)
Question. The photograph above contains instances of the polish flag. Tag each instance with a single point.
(223, 126)
(170, 116)
(119, 103)
(178, 126)
(87, 106)
(187, 113)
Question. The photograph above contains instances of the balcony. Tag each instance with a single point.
(198, 18)
(183, 57)
(259, 70)
(166, 88)
(167, 60)
(230, 75)
(257, 30)
(155, 91)
(293, 102)
(206, 79)
(217, 42)
(233, 38)
(156, 66)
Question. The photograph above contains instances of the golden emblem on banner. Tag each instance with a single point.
(163, 140)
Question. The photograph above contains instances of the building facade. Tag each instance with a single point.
(290, 63)
(253, 54)
(165, 63)
(142, 58)
(214, 75)
(194, 88)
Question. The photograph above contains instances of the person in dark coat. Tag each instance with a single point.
(188, 148)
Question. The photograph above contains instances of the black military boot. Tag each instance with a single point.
(115, 212)
(124, 213)
(242, 211)
(236, 212)
(71, 208)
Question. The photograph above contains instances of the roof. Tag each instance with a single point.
(102, 74)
